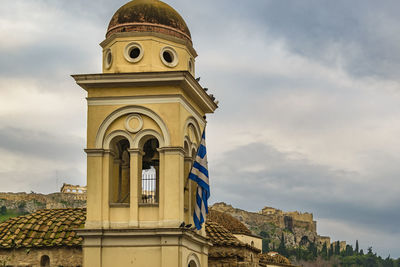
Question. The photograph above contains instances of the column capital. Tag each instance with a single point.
(94, 152)
(172, 150)
(136, 151)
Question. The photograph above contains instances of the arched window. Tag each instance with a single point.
(45, 261)
(150, 172)
(187, 184)
(119, 171)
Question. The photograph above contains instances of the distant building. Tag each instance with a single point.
(238, 229)
(50, 237)
(79, 192)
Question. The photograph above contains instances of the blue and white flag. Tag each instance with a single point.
(199, 174)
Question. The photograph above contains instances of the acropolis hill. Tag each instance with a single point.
(298, 228)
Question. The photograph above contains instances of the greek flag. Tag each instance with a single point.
(199, 174)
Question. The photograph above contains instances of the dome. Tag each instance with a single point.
(148, 16)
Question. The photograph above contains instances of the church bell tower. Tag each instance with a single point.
(146, 113)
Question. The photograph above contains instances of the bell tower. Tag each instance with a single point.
(145, 118)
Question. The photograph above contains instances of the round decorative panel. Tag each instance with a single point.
(134, 123)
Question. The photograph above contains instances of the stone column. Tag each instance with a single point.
(95, 187)
(135, 185)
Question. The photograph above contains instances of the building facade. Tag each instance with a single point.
(146, 114)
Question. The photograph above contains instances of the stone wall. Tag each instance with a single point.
(232, 257)
(66, 257)
(298, 229)
(30, 202)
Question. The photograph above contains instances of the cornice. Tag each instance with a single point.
(178, 78)
(167, 37)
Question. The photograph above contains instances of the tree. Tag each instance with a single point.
(282, 247)
(337, 248)
(3, 210)
(361, 252)
(349, 250)
(264, 234)
(324, 252)
(357, 247)
(312, 250)
(330, 252)
(265, 245)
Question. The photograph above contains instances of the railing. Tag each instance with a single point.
(149, 186)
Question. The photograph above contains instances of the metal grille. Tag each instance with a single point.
(149, 186)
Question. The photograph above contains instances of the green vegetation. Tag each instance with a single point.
(332, 256)
(6, 214)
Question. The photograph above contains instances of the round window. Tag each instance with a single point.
(169, 57)
(108, 59)
(133, 52)
(191, 69)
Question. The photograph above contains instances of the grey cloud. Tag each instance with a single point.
(361, 33)
(33, 143)
(361, 36)
(258, 175)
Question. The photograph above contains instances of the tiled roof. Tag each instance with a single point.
(220, 236)
(44, 228)
(55, 227)
(229, 222)
(277, 259)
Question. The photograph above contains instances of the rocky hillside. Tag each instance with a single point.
(23, 203)
(298, 229)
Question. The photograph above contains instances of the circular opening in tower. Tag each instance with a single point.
(191, 68)
(108, 59)
(169, 57)
(133, 52)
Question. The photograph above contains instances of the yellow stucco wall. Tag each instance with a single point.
(173, 114)
(251, 240)
(151, 60)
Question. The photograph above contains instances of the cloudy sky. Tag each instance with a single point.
(309, 93)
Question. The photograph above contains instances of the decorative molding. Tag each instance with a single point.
(136, 151)
(150, 35)
(139, 100)
(129, 127)
(147, 132)
(94, 152)
(108, 59)
(196, 126)
(100, 138)
(173, 150)
(193, 258)
(112, 135)
(172, 53)
(184, 79)
(128, 48)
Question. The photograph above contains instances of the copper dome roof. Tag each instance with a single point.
(148, 16)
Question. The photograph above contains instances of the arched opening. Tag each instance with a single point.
(45, 261)
(150, 172)
(252, 243)
(193, 184)
(192, 263)
(187, 184)
(119, 171)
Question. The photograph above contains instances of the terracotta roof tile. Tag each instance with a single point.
(229, 222)
(220, 236)
(44, 228)
(278, 259)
